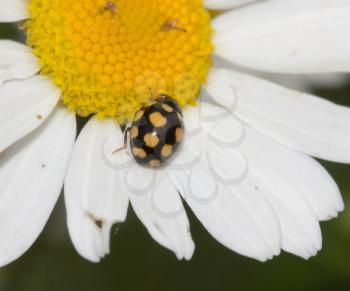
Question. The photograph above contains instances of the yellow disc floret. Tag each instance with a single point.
(111, 57)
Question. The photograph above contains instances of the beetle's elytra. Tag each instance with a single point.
(156, 132)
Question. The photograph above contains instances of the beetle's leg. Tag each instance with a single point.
(124, 147)
(127, 130)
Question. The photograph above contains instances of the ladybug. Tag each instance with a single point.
(156, 132)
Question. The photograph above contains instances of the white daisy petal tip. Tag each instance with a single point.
(190, 251)
(94, 193)
(187, 251)
(305, 252)
(161, 211)
(102, 243)
(91, 237)
(290, 181)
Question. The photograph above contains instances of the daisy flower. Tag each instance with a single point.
(246, 165)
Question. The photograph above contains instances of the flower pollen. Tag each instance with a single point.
(111, 57)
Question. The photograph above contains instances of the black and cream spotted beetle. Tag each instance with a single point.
(156, 132)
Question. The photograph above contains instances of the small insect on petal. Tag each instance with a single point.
(111, 6)
(156, 134)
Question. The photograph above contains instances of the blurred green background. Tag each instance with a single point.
(137, 262)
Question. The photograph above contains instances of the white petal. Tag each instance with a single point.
(221, 91)
(306, 176)
(288, 195)
(144, 182)
(162, 213)
(225, 4)
(227, 132)
(230, 208)
(31, 178)
(291, 36)
(299, 190)
(238, 217)
(301, 121)
(17, 61)
(13, 10)
(24, 106)
(95, 195)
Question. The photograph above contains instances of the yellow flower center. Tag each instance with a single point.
(112, 57)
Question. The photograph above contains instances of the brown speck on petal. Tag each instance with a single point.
(99, 222)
